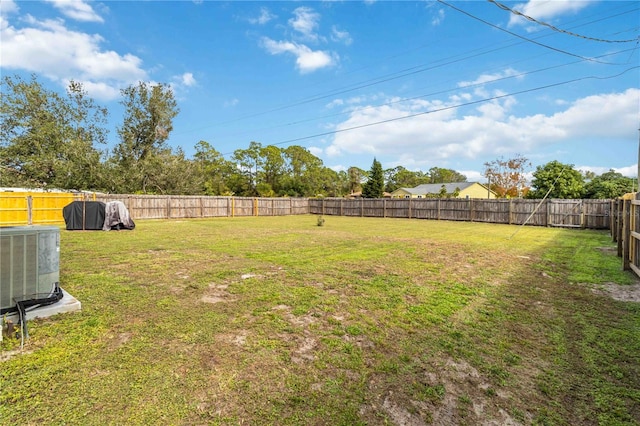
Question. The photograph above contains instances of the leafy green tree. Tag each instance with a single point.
(304, 173)
(609, 185)
(180, 176)
(215, 171)
(273, 168)
(249, 163)
(328, 183)
(48, 140)
(507, 176)
(374, 186)
(148, 121)
(560, 180)
(440, 175)
(399, 177)
(356, 177)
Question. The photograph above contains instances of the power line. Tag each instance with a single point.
(423, 96)
(394, 76)
(333, 132)
(546, 46)
(518, 13)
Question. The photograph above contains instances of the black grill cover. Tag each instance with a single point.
(84, 215)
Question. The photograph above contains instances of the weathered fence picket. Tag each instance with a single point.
(592, 214)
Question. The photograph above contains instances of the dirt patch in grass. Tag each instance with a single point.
(454, 393)
(621, 292)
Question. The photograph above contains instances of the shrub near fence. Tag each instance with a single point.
(592, 214)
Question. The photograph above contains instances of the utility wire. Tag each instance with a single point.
(423, 96)
(392, 76)
(546, 46)
(518, 13)
(361, 126)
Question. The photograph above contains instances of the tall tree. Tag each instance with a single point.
(178, 176)
(249, 163)
(399, 177)
(148, 121)
(507, 176)
(374, 186)
(356, 177)
(304, 173)
(558, 179)
(273, 169)
(48, 140)
(214, 169)
(609, 185)
(440, 175)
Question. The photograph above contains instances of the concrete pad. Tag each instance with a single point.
(68, 303)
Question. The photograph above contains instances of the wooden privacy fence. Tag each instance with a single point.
(591, 214)
(183, 206)
(39, 208)
(43, 208)
(34, 208)
(625, 230)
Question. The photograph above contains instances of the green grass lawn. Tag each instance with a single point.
(275, 320)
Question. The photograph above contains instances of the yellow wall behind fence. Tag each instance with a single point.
(46, 207)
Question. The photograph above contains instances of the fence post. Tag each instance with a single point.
(470, 210)
(619, 229)
(384, 208)
(613, 219)
(548, 215)
(341, 212)
(409, 208)
(510, 211)
(438, 208)
(29, 210)
(361, 207)
(626, 235)
(583, 207)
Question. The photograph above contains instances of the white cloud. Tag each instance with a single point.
(486, 78)
(438, 18)
(265, 17)
(305, 22)
(231, 103)
(446, 135)
(315, 150)
(628, 171)
(546, 10)
(307, 60)
(188, 79)
(50, 49)
(180, 83)
(8, 6)
(99, 90)
(341, 36)
(76, 9)
(473, 175)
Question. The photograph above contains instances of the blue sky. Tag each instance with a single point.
(417, 84)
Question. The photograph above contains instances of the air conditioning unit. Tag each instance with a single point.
(29, 264)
